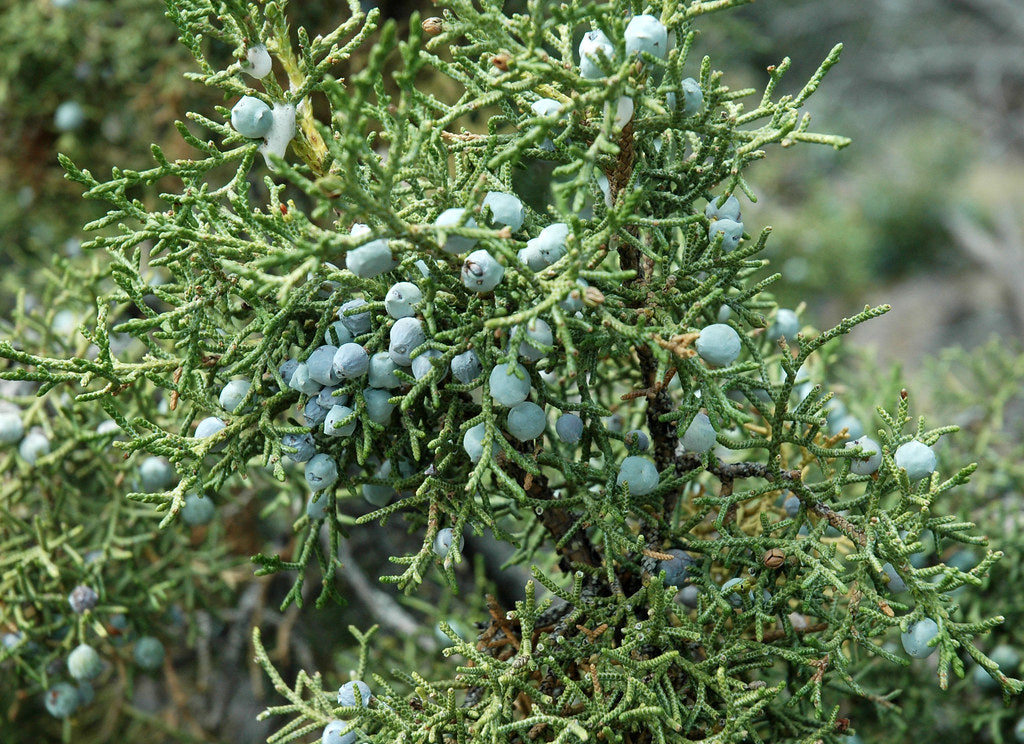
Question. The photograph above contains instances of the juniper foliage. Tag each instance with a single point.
(247, 255)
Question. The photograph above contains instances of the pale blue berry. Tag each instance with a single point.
(11, 428)
(402, 299)
(531, 256)
(719, 344)
(82, 598)
(376, 494)
(155, 474)
(506, 209)
(316, 507)
(84, 663)
(287, 369)
(333, 426)
(539, 333)
(594, 44)
(354, 693)
(730, 231)
(302, 444)
(382, 371)
(422, 364)
(526, 421)
(573, 301)
(569, 428)
(689, 595)
(302, 382)
(198, 510)
(378, 405)
(443, 542)
(693, 100)
(371, 259)
(321, 365)
(915, 639)
(337, 333)
(313, 414)
(69, 116)
(33, 446)
(406, 335)
(466, 367)
(332, 734)
(509, 384)
(473, 443)
(321, 472)
(259, 61)
(251, 117)
(282, 130)
(917, 458)
(232, 394)
(208, 427)
(729, 210)
(357, 323)
(700, 435)
(852, 425)
(328, 397)
(645, 33)
(351, 361)
(551, 242)
(148, 653)
(786, 325)
(546, 107)
(638, 439)
(731, 596)
(867, 463)
(61, 700)
(455, 244)
(895, 582)
(677, 570)
(639, 474)
(481, 272)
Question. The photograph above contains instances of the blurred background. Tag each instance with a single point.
(925, 211)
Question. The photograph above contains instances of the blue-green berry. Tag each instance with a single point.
(321, 472)
(337, 333)
(455, 244)
(645, 33)
(895, 582)
(313, 414)
(148, 653)
(333, 426)
(370, 259)
(61, 700)
(357, 323)
(68, 116)
(693, 100)
(729, 209)
(551, 242)
(422, 364)
(376, 494)
(287, 369)
(402, 300)
(526, 421)
(443, 542)
(786, 325)
(333, 734)
(11, 428)
(302, 444)
(700, 435)
(791, 505)
(316, 507)
(35, 445)
(381, 373)
(569, 428)
(868, 462)
(719, 344)
(155, 474)
(506, 209)
(539, 335)
(639, 473)
(531, 256)
(473, 442)
(232, 394)
(509, 384)
(677, 569)
(594, 44)
(82, 598)
(321, 365)
(354, 693)
(351, 361)
(259, 62)
(481, 272)
(850, 423)
(917, 458)
(734, 598)
(573, 301)
(302, 382)
(915, 639)
(328, 397)
(378, 405)
(251, 117)
(638, 439)
(406, 336)
(84, 662)
(466, 367)
(731, 233)
(198, 510)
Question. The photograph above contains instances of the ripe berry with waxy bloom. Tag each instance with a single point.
(481, 271)
(917, 458)
(719, 344)
(639, 474)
